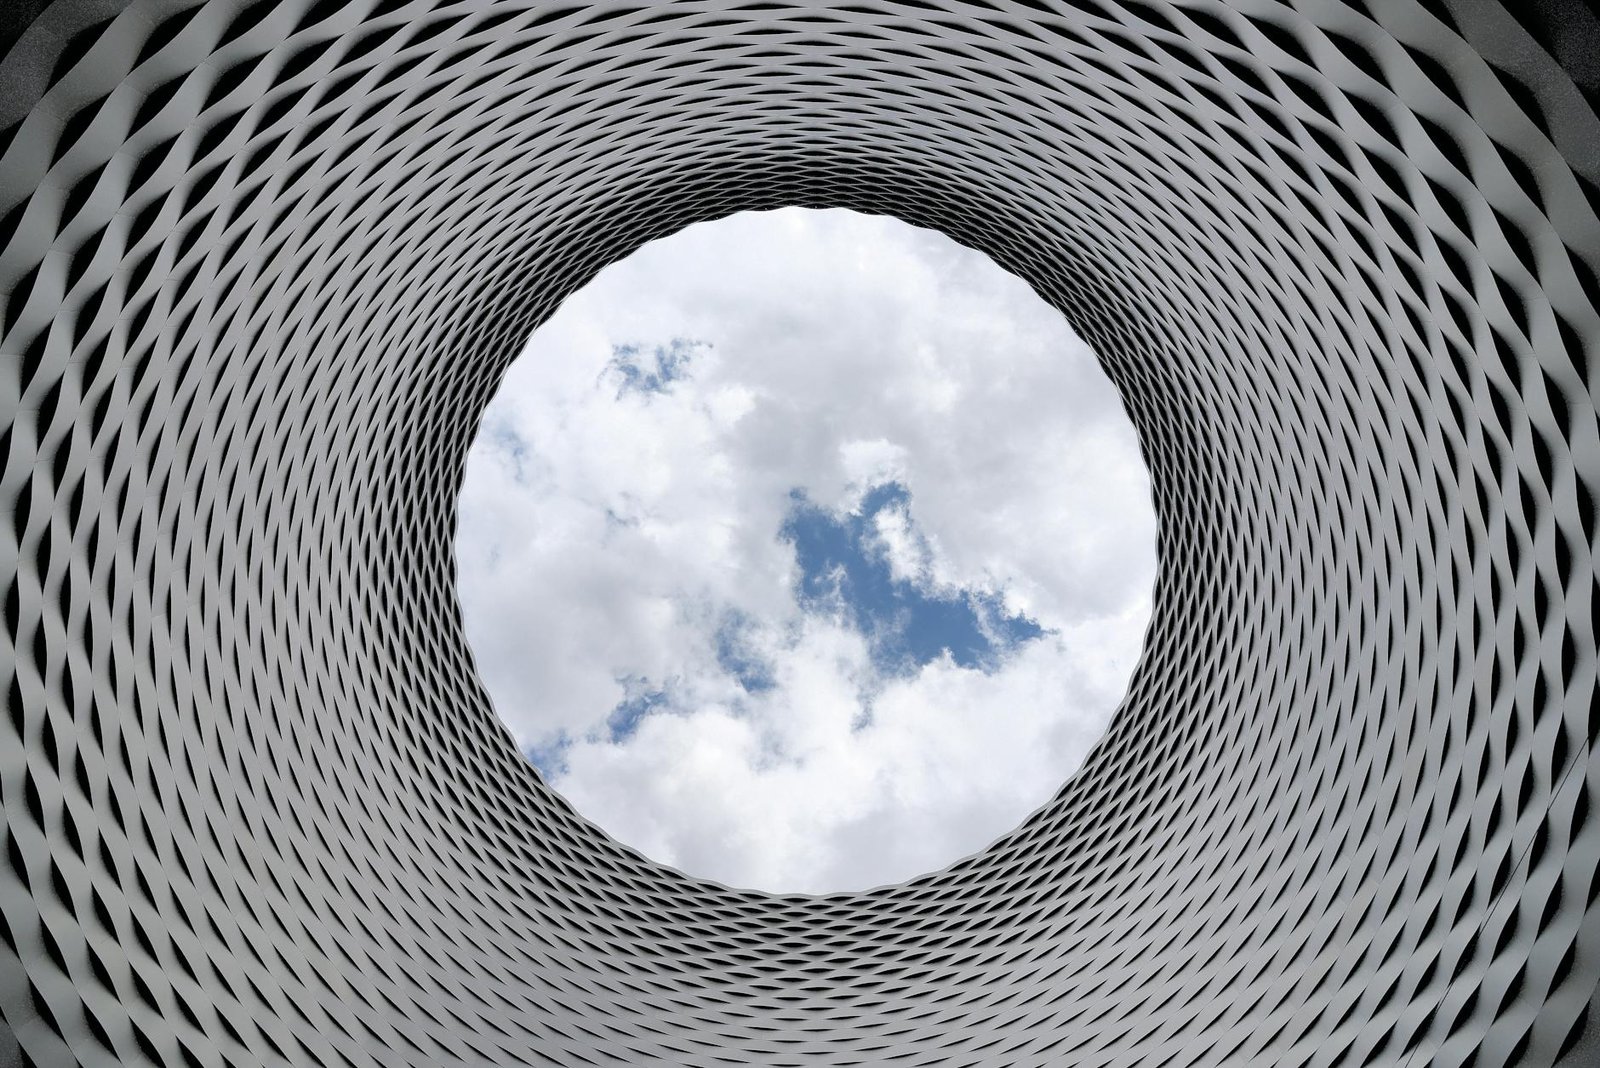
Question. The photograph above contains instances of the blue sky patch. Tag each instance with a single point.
(844, 568)
(652, 370)
(641, 700)
(502, 436)
(737, 658)
(550, 756)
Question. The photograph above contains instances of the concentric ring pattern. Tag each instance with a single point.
(263, 264)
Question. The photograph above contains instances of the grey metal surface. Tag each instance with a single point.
(263, 266)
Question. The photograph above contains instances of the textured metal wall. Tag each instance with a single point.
(264, 264)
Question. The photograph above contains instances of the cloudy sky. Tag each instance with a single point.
(806, 551)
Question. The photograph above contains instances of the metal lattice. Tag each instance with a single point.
(264, 264)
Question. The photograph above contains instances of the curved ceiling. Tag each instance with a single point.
(264, 264)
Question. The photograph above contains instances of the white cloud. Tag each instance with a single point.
(608, 536)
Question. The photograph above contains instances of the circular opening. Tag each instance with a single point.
(806, 551)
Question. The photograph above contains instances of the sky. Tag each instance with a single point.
(805, 551)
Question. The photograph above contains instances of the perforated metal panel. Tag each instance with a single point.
(264, 265)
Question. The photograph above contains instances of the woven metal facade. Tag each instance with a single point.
(263, 265)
